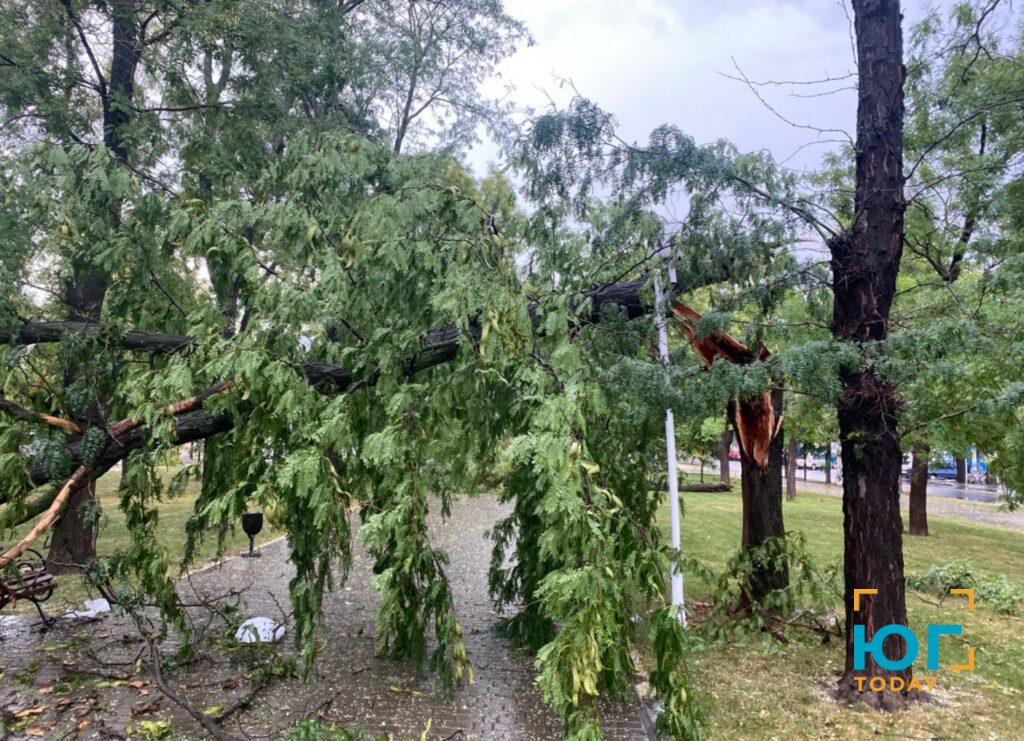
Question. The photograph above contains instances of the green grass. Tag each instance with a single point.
(173, 514)
(759, 688)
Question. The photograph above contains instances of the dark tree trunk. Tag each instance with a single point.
(961, 470)
(919, 491)
(723, 455)
(828, 463)
(73, 542)
(864, 267)
(791, 469)
(762, 502)
(73, 539)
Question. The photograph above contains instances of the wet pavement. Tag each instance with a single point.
(352, 686)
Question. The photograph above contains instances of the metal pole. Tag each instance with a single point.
(670, 449)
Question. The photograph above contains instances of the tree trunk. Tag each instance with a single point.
(919, 490)
(73, 538)
(828, 463)
(73, 542)
(961, 470)
(762, 500)
(864, 267)
(791, 469)
(723, 455)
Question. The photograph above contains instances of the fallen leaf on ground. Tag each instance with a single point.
(145, 708)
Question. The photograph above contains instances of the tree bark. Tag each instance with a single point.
(919, 490)
(828, 463)
(864, 267)
(436, 347)
(761, 488)
(724, 443)
(73, 542)
(961, 470)
(791, 469)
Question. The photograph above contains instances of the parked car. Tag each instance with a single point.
(943, 471)
(814, 462)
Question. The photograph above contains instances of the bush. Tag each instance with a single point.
(996, 593)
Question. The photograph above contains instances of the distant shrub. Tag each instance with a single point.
(1001, 595)
(996, 593)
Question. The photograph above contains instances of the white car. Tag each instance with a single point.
(814, 462)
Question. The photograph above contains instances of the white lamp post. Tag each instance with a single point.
(670, 442)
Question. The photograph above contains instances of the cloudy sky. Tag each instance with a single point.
(655, 61)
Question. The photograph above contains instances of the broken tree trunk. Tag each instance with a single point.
(758, 425)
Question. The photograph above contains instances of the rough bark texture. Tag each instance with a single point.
(761, 487)
(73, 542)
(864, 267)
(919, 491)
(723, 455)
(791, 469)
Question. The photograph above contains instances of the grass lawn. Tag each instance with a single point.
(761, 689)
(174, 513)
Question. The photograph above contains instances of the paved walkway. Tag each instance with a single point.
(353, 686)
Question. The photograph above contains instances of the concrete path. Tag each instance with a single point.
(353, 687)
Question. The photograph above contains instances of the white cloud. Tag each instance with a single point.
(661, 61)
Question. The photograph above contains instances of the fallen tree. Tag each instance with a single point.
(439, 346)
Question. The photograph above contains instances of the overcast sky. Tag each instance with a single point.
(650, 62)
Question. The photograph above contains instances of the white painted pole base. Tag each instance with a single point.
(670, 455)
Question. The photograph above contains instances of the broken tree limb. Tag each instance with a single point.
(28, 415)
(49, 517)
(113, 451)
(438, 346)
(41, 332)
(756, 421)
(706, 488)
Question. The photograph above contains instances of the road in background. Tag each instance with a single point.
(974, 502)
(936, 488)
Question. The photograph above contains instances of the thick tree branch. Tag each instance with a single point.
(27, 415)
(192, 423)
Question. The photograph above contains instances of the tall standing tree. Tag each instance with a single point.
(865, 262)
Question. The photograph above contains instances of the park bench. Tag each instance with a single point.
(28, 579)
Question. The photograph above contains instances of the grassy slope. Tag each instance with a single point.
(174, 513)
(761, 689)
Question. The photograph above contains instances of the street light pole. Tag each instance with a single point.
(670, 443)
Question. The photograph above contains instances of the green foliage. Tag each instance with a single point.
(681, 717)
(810, 593)
(313, 730)
(996, 593)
